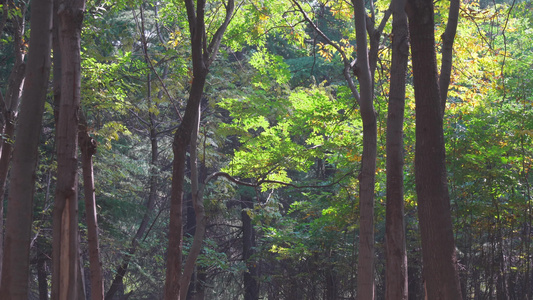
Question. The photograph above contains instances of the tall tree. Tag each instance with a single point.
(363, 68)
(14, 284)
(9, 103)
(151, 126)
(65, 276)
(250, 276)
(88, 149)
(438, 246)
(365, 264)
(396, 255)
(203, 54)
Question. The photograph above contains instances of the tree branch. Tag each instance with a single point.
(447, 51)
(348, 66)
(217, 37)
(262, 181)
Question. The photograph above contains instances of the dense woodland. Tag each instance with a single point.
(255, 149)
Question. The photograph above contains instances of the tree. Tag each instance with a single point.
(439, 256)
(396, 259)
(203, 54)
(250, 277)
(363, 68)
(10, 102)
(14, 284)
(88, 149)
(65, 253)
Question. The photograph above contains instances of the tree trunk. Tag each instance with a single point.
(88, 149)
(438, 246)
(8, 109)
(14, 284)
(251, 286)
(203, 54)
(396, 255)
(365, 265)
(65, 217)
(42, 280)
(152, 196)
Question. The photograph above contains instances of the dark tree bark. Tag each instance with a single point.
(88, 149)
(203, 54)
(438, 246)
(42, 279)
(251, 286)
(365, 264)
(396, 255)
(14, 284)
(9, 109)
(65, 252)
(448, 38)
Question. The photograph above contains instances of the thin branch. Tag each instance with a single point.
(217, 37)
(191, 15)
(322, 34)
(150, 64)
(348, 66)
(502, 74)
(262, 181)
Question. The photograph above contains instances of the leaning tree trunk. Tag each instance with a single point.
(396, 255)
(14, 284)
(438, 246)
(65, 275)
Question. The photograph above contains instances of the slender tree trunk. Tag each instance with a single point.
(203, 54)
(42, 279)
(396, 255)
(448, 38)
(438, 246)
(198, 205)
(363, 69)
(152, 196)
(56, 61)
(65, 217)
(251, 285)
(365, 265)
(88, 149)
(8, 109)
(14, 284)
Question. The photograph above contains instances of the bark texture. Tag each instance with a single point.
(65, 252)
(365, 264)
(14, 284)
(438, 246)
(396, 255)
(88, 149)
(203, 54)
(251, 286)
(8, 110)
